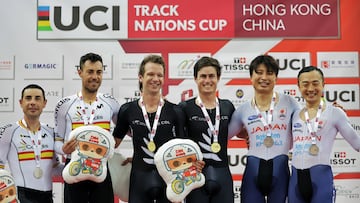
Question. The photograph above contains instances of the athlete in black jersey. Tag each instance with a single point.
(151, 121)
(207, 119)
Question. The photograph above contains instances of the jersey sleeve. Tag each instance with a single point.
(60, 123)
(5, 142)
(235, 125)
(344, 127)
(122, 124)
(114, 105)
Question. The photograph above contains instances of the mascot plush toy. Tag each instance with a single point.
(88, 161)
(174, 161)
(8, 192)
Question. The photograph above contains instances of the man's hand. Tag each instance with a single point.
(199, 165)
(126, 161)
(70, 146)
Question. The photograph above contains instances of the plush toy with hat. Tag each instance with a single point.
(174, 161)
(89, 160)
(8, 192)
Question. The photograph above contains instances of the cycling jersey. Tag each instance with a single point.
(315, 168)
(257, 181)
(146, 184)
(17, 148)
(70, 113)
(218, 185)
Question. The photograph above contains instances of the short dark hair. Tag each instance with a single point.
(207, 61)
(153, 59)
(33, 86)
(309, 69)
(269, 62)
(89, 56)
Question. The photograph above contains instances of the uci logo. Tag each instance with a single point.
(81, 19)
(293, 64)
(344, 96)
(87, 14)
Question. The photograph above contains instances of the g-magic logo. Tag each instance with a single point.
(81, 20)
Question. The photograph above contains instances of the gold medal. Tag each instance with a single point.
(215, 147)
(268, 141)
(38, 172)
(151, 146)
(314, 150)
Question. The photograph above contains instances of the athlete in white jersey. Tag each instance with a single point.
(28, 147)
(267, 119)
(314, 129)
(87, 107)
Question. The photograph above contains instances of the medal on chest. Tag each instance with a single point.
(268, 141)
(151, 144)
(215, 146)
(314, 148)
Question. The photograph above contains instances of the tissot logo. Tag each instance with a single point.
(81, 19)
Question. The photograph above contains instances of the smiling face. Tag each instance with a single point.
(207, 80)
(91, 75)
(263, 79)
(311, 85)
(32, 102)
(152, 79)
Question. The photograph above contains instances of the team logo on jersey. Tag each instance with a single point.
(282, 114)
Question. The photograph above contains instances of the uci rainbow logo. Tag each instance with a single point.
(44, 18)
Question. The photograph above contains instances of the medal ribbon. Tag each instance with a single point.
(313, 128)
(156, 119)
(36, 144)
(267, 124)
(214, 129)
(88, 119)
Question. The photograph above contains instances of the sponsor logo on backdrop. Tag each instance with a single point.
(294, 93)
(130, 65)
(81, 20)
(238, 64)
(136, 95)
(6, 64)
(291, 62)
(4, 101)
(291, 92)
(235, 65)
(339, 64)
(186, 66)
(33, 66)
(347, 191)
(53, 94)
(239, 97)
(7, 100)
(294, 64)
(181, 65)
(42, 67)
(341, 159)
(187, 94)
(7, 67)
